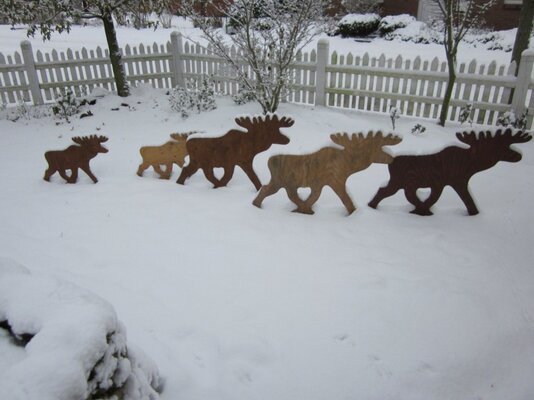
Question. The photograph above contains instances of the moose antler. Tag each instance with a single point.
(506, 137)
(343, 139)
(182, 136)
(245, 122)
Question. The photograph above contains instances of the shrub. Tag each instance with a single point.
(243, 96)
(66, 105)
(193, 98)
(418, 129)
(510, 119)
(354, 25)
(394, 114)
(393, 22)
(465, 114)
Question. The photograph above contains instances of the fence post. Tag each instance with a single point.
(320, 74)
(523, 81)
(33, 79)
(177, 78)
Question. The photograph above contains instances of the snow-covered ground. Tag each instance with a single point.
(233, 302)
(93, 36)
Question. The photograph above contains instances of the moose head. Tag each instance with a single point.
(497, 146)
(267, 126)
(367, 148)
(92, 143)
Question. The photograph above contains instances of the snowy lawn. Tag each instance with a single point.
(233, 302)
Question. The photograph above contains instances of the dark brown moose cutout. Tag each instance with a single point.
(235, 148)
(327, 167)
(452, 166)
(75, 157)
(172, 152)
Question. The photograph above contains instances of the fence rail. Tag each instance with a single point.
(358, 82)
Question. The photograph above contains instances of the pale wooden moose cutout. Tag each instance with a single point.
(327, 167)
(235, 148)
(75, 157)
(172, 152)
(453, 166)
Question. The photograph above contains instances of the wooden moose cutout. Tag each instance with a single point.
(327, 167)
(172, 152)
(452, 166)
(75, 157)
(235, 148)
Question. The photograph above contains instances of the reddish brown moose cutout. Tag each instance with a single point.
(172, 152)
(75, 157)
(235, 148)
(452, 166)
(327, 167)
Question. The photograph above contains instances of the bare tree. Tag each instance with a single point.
(268, 35)
(524, 30)
(47, 16)
(458, 17)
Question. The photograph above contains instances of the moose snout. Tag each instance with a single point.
(103, 149)
(513, 156)
(283, 139)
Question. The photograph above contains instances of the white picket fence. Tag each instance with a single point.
(357, 82)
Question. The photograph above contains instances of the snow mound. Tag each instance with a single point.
(75, 347)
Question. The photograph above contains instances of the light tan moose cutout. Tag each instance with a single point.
(172, 152)
(329, 166)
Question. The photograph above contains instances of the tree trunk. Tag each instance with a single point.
(448, 91)
(523, 31)
(115, 57)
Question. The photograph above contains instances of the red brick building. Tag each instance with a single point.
(503, 15)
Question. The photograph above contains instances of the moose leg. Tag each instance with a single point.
(463, 192)
(341, 191)
(63, 174)
(48, 173)
(73, 176)
(311, 200)
(142, 167)
(164, 173)
(435, 193)
(210, 176)
(295, 198)
(187, 171)
(228, 173)
(411, 196)
(265, 191)
(386, 191)
(87, 170)
(249, 170)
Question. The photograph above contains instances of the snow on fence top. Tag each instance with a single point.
(358, 82)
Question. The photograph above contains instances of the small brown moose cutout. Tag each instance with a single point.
(75, 157)
(172, 152)
(453, 166)
(235, 148)
(327, 167)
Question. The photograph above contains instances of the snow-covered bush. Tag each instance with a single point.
(66, 104)
(354, 25)
(391, 23)
(243, 96)
(417, 32)
(75, 345)
(465, 114)
(394, 114)
(510, 119)
(418, 129)
(193, 98)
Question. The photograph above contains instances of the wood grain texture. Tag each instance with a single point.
(453, 166)
(75, 157)
(329, 166)
(162, 158)
(235, 148)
